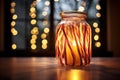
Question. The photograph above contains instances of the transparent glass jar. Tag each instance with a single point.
(73, 39)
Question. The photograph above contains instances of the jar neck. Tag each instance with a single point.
(73, 16)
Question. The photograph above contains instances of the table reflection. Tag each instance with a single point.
(72, 74)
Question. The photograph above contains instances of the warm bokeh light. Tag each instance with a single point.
(38, 0)
(46, 30)
(96, 37)
(98, 15)
(43, 35)
(95, 24)
(44, 41)
(98, 7)
(34, 36)
(35, 30)
(81, 8)
(33, 21)
(56, 0)
(45, 22)
(46, 8)
(32, 9)
(33, 46)
(12, 10)
(47, 3)
(33, 41)
(33, 15)
(14, 16)
(13, 23)
(13, 4)
(14, 31)
(97, 30)
(97, 44)
(44, 13)
(14, 46)
(44, 46)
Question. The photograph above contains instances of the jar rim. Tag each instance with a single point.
(73, 13)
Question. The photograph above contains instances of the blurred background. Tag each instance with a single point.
(27, 27)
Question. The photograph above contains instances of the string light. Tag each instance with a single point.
(97, 30)
(13, 4)
(96, 37)
(98, 15)
(33, 21)
(33, 46)
(95, 24)
(45, 22)
(34, 30)
(47, 3)
(14, 46)
(12, 10)
(98, 7)
(14, 17)
(81, 9)
(13, 23)
(46, 30)
(56, 0)
(44, 41)
(44, 46)
(43, 36)
(98, 44)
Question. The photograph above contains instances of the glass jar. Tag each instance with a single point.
(73, 39)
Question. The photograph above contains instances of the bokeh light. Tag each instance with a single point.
(14, 46)
(97, 44)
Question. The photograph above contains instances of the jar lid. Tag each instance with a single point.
(73, 14)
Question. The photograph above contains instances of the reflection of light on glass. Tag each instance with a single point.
(44, 46)
(14, 16)
(97, 30)
(12, 10)
(13, 23)
(56, 0)
(95, 24)
(81, 8)
(98, 7)
(43, 36)
(44, 41)
(96, 37)
(14, 46)
(33, 21)
(47, 3)
(44, 13)
(33, 46)
(98, 15)
(13, 4)
(46, 30)
(97, 44)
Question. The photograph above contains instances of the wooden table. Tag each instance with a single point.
(46, 68)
